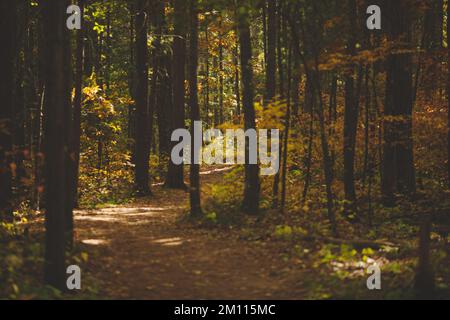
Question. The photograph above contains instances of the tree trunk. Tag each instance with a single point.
(7, 34)
(221, 83)
(398, 161)
(287, 125)
(175, 178)
(142, 131)
(163, 92)
(281, 42)
(131, 83)
(56, 141)
(250, 203)
(206, 102)
(194, 190)
(76, 134)
(237, 83)
(271, 51)
(424, 281)
(350, 113)
(448, 95)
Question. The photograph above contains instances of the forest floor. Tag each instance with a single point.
(148, 251)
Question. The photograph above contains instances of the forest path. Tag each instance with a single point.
(142, 251)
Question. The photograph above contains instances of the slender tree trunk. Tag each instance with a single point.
(250, 203)
(38, 200)
(274, 52)
(57, 115)
(108, 50)
(175, 178)
(280, 43)
(77, 104)
(271, 51)
(332, 115)
(264, 30)
(448, 94)
(287, 125)
(296, 86)
(350, 114)
(221, 83)
(131, 83)
(142, 146)
(7, 34)
(367, 122)
(237, 81)
(152, 92)
(309, 156)
(317, 89)
(326, 155)
(194, 190)
(163, 89)
(207, 109)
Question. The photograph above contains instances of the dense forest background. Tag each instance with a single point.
(86, 118)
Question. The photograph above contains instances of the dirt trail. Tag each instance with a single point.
(143, 252)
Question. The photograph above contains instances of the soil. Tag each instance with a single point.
(147, 251)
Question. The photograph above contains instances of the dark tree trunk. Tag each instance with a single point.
(206, 102)
(7, 34)
(250, 203)
(131, 84)
(70, 164)
(398, 161)
(19, 101)
(161, 75)
(56, 141)
(277, 25)
(76, 133)
(351, 112)
(237, 81)
(271, 51)
(108, 50)
(151, 103)
(287, 125)
(281, 42)
(327, 168)
(194, 190)
(264, 29)
(424, 281)
(175, 178)
(142, 131)
(221, 83)
(296, 78)
(38, 199)
(448, 96)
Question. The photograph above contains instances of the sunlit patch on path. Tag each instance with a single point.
(154, 256)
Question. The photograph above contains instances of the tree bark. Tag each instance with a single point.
(237, 81)
(271, 51)
(142, 131)
(350, 113)
(56, 141)
(194, 190)
(250, 203)
(175, 174)
(163, 90)
(398, 161)
(76, 134)
(7, 34)
(448, 95)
